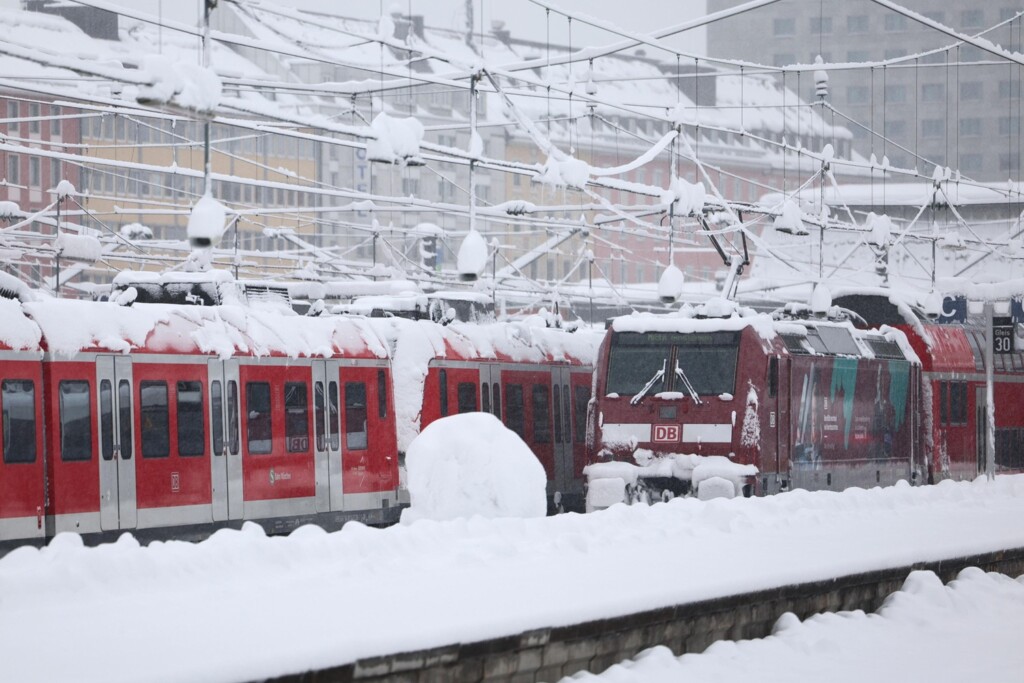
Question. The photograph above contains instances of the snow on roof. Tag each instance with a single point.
(17, 332)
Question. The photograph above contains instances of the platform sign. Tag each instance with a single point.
(1003, 338)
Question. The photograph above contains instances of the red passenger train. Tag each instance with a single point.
(171, 421)
(809, 402)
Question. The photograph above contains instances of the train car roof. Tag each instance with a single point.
(18, 332)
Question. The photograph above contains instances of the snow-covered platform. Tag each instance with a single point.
(242, 606)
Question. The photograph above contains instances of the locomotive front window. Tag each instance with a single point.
(706, 359)
(630, 368)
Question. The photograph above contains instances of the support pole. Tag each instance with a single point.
(990, 408)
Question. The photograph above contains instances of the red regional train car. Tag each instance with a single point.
(770, 404)
(172, 421)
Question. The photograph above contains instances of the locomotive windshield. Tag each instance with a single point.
(707, 359)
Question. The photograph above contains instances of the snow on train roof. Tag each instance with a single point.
(74, 326)
(17, 332)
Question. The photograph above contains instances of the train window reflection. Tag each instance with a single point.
(258, 426)
(75, 421)
(514, 414)
(355, 416)
(191, 435)
(19, 415)
(541, 398)
(156, 440)
(296, 417)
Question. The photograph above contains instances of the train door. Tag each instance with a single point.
(561, 423)
(226, 461)
(118, 508)
(327, 438)
(490, 389)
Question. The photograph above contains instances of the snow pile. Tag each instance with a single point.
(696, 469)
(691, 197)
(750, 435)
(925, 632)
(17, 331)
(880, 227)
(790, 219)
(470, 464)
(84, 248)
(65, 189)
(187, 85)
(397, 139)
(566, 172)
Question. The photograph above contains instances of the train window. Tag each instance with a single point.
(442, 389)
(773, 377)
(884, 348)
(1009, 448)
(467, 397)
(541, 414)
(355, 416)
(233, 417)
(259, 432)
(156, 438)
(514, 415)
(382, 395)
(191, 432)
(581, 396)
(75, 421)
(566, 413)
(794, 344)
(319, 423)
(217, 416)
(558, 413)
(816, 342)
(106, 420)
(958, 403)
(839, 341)
(496, 393)
(710, 369)
(944, 403)
(631, 365)
(333, 413)
(19, 415)
(296, 417)
(124, 417)
(485, 397)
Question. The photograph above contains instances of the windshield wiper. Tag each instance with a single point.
(660, 374)
(686, 383)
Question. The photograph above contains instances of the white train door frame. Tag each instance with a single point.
(226, 458)
(118, 504)
(490, 390)
(327, 437)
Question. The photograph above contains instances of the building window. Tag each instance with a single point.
(894, 129)
(784, 26)
(1008, 90)
(972, 18)
(1009, 125)
(34, 173)
(156, 440)
(933, 128)
(1009, 162)
(820, 25)
(13, 169)
(857, 94)
(895, 22)
(12, 115)
(55, 121)
(18, 400)
(895, 94)
(971, 162)
(857, 23)
(971, 90)
(191, 435)
(970, 126)
(933, 92)
(34, 124)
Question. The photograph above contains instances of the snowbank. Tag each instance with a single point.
(470, 464)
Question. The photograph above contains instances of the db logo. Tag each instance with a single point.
(666, 433)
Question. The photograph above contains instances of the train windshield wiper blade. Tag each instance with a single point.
(686, 383)
(650, 383)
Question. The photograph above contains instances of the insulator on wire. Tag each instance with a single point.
(820, 80)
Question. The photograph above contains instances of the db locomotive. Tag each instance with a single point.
(869, 392)
(171, 421)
